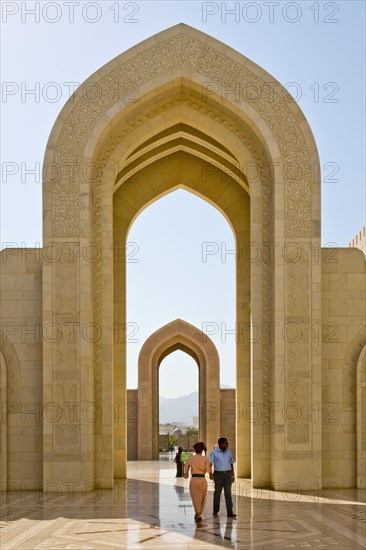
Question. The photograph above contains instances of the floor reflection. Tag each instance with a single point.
(153, 509)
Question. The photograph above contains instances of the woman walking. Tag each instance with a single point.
(199, 466)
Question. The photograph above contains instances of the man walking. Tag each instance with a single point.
(223, 476)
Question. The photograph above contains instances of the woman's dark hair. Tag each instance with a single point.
(199, 447)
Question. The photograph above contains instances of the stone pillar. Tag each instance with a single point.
(228, 417)
(296, 311)
(68, 378)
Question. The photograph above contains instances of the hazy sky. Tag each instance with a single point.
(314, 48)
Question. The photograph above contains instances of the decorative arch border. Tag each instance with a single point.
(289, 210)
(177, 335)
(278, 121)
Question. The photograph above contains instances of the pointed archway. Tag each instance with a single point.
(182, 110)
(177, 335)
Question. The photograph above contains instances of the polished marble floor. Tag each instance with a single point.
(152, 509)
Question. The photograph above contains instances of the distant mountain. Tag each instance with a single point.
(180, 409)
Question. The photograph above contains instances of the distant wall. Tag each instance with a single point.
(359, 241)
(227, 424)
(163, 441)
(187, 442)
(342, 338)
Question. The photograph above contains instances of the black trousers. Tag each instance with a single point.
(223, 481)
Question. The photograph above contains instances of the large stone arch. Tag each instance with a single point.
(177, 335)
(183, 98)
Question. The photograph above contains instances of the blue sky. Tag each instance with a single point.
(315, 48)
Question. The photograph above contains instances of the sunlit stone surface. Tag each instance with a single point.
(152, 509)
(300, 415)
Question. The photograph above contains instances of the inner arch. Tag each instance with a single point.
(171, 274)
(181, 347)
(181, 129)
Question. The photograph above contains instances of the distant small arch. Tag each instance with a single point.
(177, 335)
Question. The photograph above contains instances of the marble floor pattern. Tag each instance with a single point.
(152, 509)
